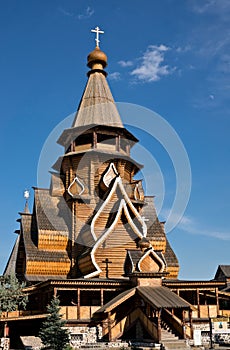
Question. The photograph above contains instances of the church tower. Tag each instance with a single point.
(94, 220)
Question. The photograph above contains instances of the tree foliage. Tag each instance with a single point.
(52, 333)
(12, 296)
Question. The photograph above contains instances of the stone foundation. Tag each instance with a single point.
(84, 335)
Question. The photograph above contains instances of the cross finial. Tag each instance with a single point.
(97, 31)
(26, 194)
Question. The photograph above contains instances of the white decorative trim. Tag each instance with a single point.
(155, 256)
(130, 258)
(135, 192)
(110, 174)
(134, 210)
(76, 179)
(122, 206)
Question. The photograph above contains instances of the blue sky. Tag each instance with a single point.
(169, 56)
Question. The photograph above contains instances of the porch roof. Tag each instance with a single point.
(162, 297)
(157, 297)
(119, 299)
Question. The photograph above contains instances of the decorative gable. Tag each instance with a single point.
(147, 261)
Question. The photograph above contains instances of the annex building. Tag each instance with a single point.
(94, 240)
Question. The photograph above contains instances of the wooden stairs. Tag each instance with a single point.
(170, 341)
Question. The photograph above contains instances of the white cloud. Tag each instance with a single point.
(189, 224)
(152, 67)
(204, 6)
(114, 76)
(65, 12)
(86, 14)
(217, 7)
(182, 49)
(125, 63)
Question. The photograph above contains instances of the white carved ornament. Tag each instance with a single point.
(110, 174)
(76, 181)
(125, 202)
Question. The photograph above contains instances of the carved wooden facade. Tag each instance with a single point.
(94, 237)
(95, 219)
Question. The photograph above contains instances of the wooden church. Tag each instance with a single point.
(94, 239)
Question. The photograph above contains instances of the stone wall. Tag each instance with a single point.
(84, 335)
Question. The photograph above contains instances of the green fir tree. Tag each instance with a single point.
(12, 296)
(52, 333)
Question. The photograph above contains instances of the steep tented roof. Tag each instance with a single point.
(11, 264)
(170, 256)
(155, 229)
(97, 104)
(52, 213)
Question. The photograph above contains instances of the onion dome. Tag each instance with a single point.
(144, 243)
(97, 59)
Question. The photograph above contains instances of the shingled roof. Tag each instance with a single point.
(97, 104)
(162, 297)
(222, 272)
(170, 256)
(154, 227)
(158, 297)
(52, 213)
(11, 264)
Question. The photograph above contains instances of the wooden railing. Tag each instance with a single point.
(115, 329)
(176, 324)
(20, 313)
(151, 327)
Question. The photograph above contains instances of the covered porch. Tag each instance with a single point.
(142, 312)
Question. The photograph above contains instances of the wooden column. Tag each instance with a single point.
(183, 324)
(217, 301)
(6, 330)
(94, 139)
(73, 233)
(190, 321)
(118, 140)
(159, 325)
(78, 303)
(102, 297)
(148, 310)
(55, 292)
(109, 326)
(198, 300)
